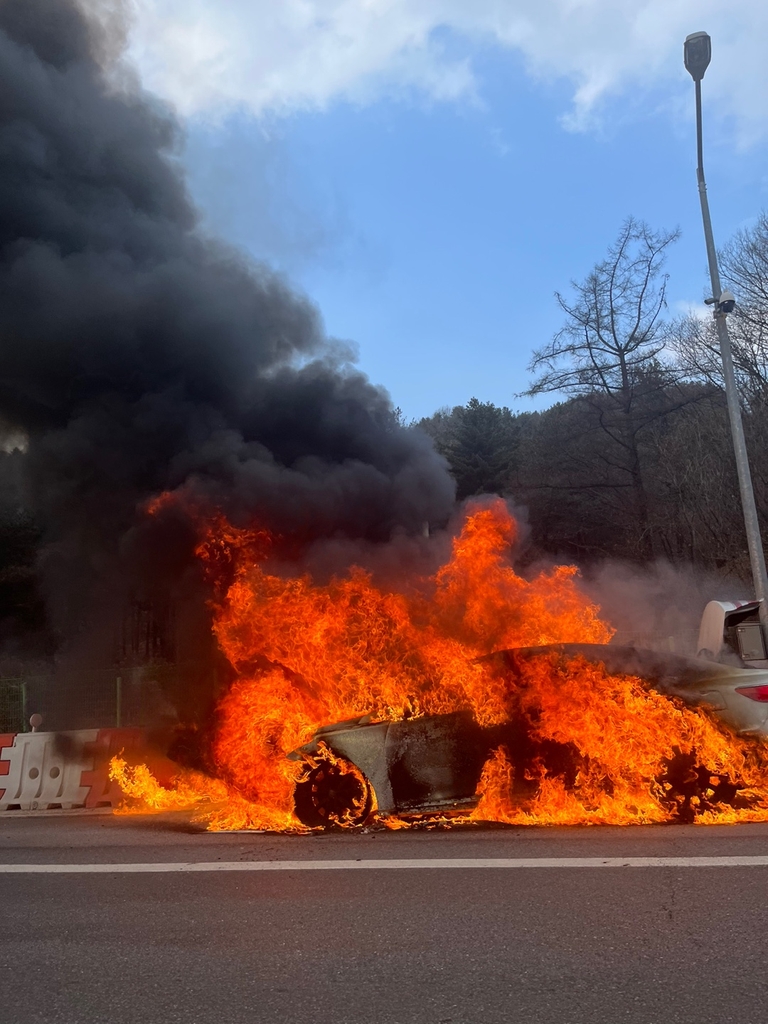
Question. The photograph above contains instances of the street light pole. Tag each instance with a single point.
(698, 53)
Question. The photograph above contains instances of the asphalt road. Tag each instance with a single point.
(478, 945)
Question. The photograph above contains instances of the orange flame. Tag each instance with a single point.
(308, 655)
(145, 793)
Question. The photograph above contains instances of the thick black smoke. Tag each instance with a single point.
(140, 356)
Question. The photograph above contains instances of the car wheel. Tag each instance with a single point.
(333, 792)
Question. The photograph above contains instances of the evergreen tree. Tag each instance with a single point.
(479, 440)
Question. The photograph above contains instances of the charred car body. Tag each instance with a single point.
(427, 765)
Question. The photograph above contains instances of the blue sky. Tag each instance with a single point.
(431, 224)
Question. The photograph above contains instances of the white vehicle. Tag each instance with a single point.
(730, 632)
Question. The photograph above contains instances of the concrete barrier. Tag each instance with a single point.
(44, 770)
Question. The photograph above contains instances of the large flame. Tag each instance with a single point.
(308, 655)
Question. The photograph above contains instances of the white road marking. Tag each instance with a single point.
(386, 865)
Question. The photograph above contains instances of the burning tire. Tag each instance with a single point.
(333, 792)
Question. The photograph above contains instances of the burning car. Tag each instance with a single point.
(432, 765)
(578, 731)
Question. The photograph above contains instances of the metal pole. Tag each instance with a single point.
(751, 523)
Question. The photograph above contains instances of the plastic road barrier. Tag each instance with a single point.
(42, 770)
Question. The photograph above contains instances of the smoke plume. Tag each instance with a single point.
(658, 605)
(140, 356)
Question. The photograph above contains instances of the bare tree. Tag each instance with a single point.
(609, 353)
(744, 265)
(614, 327)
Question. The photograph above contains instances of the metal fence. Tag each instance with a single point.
(86, 699)
(13, 705)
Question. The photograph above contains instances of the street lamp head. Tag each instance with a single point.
(698, 53)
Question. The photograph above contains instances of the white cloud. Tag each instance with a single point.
(277, 56)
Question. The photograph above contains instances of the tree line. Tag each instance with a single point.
(634, 460)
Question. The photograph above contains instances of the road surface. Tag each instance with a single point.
(659, 925)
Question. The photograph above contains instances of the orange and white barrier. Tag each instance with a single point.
(42, 770)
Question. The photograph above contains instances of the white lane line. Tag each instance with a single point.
(386, 865)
